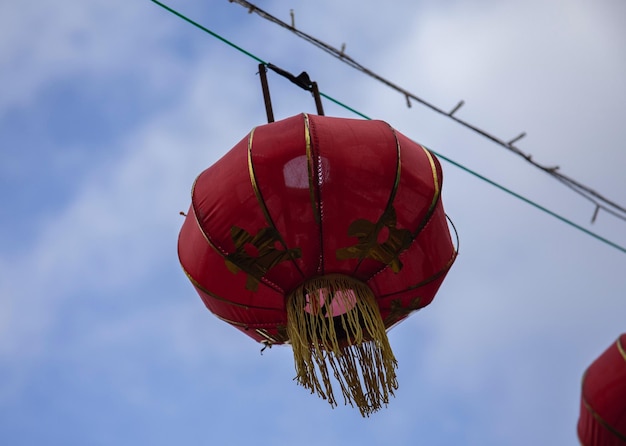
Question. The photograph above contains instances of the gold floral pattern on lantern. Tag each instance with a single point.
(381, 241)
(257, 254)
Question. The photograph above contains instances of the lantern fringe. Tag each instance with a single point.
(354, 345)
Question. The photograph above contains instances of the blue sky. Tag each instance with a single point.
(109, 111)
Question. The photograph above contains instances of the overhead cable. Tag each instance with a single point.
(599, 201)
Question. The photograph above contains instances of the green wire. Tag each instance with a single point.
(347, 107)
(532, 203)
(460, 166)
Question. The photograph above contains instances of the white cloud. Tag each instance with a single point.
(47, 41)
(123, 220)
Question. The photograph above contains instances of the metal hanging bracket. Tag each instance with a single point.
(302, 80)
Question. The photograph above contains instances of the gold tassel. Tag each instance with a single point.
(334, 322)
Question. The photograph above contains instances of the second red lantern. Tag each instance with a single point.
(602, 420)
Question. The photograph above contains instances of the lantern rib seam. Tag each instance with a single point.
(310, 169)
(596, 416)
(315, 190)
(221, 251)
(429, 214)
(620, 348)
(223, 299)
(432, 278)
(210, 293)
(206, 236)
(266, 213)
(392, 194)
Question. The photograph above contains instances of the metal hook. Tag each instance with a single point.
(266, 344)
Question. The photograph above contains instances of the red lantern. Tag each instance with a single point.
(322, 233)
(602, 419)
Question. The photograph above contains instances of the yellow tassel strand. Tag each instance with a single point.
(334, 323)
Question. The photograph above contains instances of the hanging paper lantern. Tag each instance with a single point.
(322, 233)
(602, 419)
